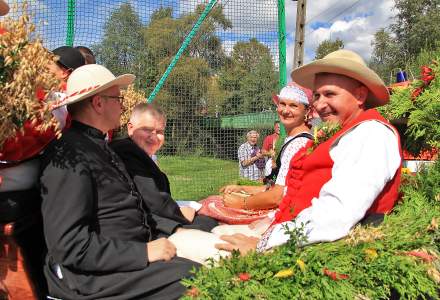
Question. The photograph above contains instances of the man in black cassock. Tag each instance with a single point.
(99, 231)
(146, 136)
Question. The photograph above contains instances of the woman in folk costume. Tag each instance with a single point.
(352, 176)
(244, 204)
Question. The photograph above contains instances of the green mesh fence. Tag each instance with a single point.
(220, 88)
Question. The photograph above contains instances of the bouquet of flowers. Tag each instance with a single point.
(25, 82)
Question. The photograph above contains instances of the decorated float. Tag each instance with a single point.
(399, 259)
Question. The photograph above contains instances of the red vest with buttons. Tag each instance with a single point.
(309, 172)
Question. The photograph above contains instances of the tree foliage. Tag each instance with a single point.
(206, 82)
(415, 27)
(250, 79)
(327, 46)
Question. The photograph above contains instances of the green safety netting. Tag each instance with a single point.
(220, 88)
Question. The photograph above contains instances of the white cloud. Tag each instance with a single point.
(355, 27)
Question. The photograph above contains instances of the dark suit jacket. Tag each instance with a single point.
(154, 186)
(150, 181)
(96, 224)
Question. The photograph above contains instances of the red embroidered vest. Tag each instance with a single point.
(309, 172)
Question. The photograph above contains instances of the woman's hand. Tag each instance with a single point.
(234, 201)
(231, 188)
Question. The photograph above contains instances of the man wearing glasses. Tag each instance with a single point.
(101, 238)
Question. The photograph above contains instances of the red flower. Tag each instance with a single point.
(40, 94)
(193, 292)
(427, 74)
(416, 93)
(244, 276)
(333, 275)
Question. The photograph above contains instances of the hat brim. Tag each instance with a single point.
(4, 8)
(378, 93)
(122, 81)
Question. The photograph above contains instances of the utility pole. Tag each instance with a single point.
(298, 56)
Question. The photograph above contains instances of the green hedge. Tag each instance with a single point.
(399, 256)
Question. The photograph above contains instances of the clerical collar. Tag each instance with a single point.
(89, 130)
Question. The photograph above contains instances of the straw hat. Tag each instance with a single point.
(89, 80)
(4, 8)
(350, 64)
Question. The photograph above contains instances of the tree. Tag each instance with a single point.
(122, 48)
(250, 79)
(327, 46)
(415, 27)
(384, 54)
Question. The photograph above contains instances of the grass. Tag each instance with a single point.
(194, 178)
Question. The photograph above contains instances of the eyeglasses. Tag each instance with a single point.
(120, 99)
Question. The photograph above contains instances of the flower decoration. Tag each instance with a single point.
(301, 265)
(371, 254)
(25, 80)
(244, 276)
(426, 76)
(333, 275)
(284, 273)
(193, 292)
(322, 133)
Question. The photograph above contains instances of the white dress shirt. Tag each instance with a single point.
(365, 159)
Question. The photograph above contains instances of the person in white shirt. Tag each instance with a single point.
(353, 175)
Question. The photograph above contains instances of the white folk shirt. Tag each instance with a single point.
(365, 159)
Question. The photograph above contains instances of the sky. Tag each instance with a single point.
(352, 21)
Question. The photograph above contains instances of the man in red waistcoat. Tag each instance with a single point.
(354, 174)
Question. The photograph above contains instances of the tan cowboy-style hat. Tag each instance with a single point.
(350, 64)
(4, 8)
(89, 80)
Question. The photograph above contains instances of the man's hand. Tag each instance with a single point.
(239, 242)
(231, 188)
(261, 225)
(259, 155)
(160, 249)
(233, 200)
(188, 213)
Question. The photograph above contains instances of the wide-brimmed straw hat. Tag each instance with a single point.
(347, 63)
(4, 8)
(89, 80)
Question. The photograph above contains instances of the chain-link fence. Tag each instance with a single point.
(221, 87)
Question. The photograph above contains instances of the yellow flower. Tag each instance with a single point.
(284, 273)
(406, 171)
(301, 265)
(371, 253)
